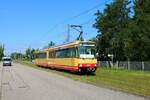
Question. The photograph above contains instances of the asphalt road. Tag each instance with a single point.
(20, 82)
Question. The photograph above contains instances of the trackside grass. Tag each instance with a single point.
(136, 82)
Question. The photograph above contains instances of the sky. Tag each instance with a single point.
(33, 23)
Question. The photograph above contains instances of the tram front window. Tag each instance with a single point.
(87, 51)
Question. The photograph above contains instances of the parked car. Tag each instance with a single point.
(7, 61)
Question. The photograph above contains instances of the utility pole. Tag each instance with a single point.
(68, 34)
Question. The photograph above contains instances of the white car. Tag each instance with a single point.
(6, 61)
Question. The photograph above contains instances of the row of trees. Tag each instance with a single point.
(28, 55)
(1, 51)
(124, 30)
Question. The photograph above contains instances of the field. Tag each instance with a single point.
(136, 82)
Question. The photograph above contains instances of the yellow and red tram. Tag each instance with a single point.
(78, 56)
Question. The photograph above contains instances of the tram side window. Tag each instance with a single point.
(35, 56)
(62, 53)
(67, 53)
(73, 52)
(51, 54)
(41, 55)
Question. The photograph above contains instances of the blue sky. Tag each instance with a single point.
(33, 23)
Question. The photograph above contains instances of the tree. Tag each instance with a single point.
(50, 44)
(29, 54)
(138, 42)
(111, 25)
(1, 51)
(142, 21)
(17, 56)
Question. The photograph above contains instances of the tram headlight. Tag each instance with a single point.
(80, 65)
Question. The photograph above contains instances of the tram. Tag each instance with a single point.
(78, 56)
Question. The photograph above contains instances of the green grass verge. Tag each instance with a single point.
(136, 82)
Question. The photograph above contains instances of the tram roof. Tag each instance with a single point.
(40, 51)
(66, 45)
(69, 45)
